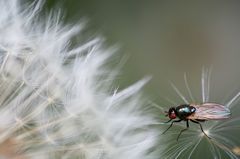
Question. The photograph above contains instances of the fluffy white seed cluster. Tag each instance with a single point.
(57, 101)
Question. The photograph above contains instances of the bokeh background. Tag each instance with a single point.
(166, 39)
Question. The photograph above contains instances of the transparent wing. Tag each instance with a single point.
(210, 111)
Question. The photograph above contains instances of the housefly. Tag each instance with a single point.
(196, 114)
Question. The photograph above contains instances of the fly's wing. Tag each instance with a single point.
(210, 111)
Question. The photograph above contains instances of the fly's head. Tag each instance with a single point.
(171, 113)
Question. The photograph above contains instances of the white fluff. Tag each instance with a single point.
(58, 101)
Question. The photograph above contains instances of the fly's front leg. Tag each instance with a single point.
(168, 121)
(172, 124)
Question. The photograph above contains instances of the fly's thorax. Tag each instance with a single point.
(183, 111)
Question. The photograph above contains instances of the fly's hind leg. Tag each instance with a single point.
(200, 127)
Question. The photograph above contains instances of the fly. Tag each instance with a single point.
(196, 114)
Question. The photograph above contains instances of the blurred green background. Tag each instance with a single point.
(167, 38)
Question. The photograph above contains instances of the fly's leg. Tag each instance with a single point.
(187, 124)
(168, 121)
(171, 124)
(200, 127)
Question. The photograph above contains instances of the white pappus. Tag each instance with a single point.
(59, 101)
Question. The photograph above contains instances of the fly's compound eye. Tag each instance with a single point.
(172, 115)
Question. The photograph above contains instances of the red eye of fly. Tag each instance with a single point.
(172, 115)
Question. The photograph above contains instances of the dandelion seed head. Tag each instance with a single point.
(59, 101)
